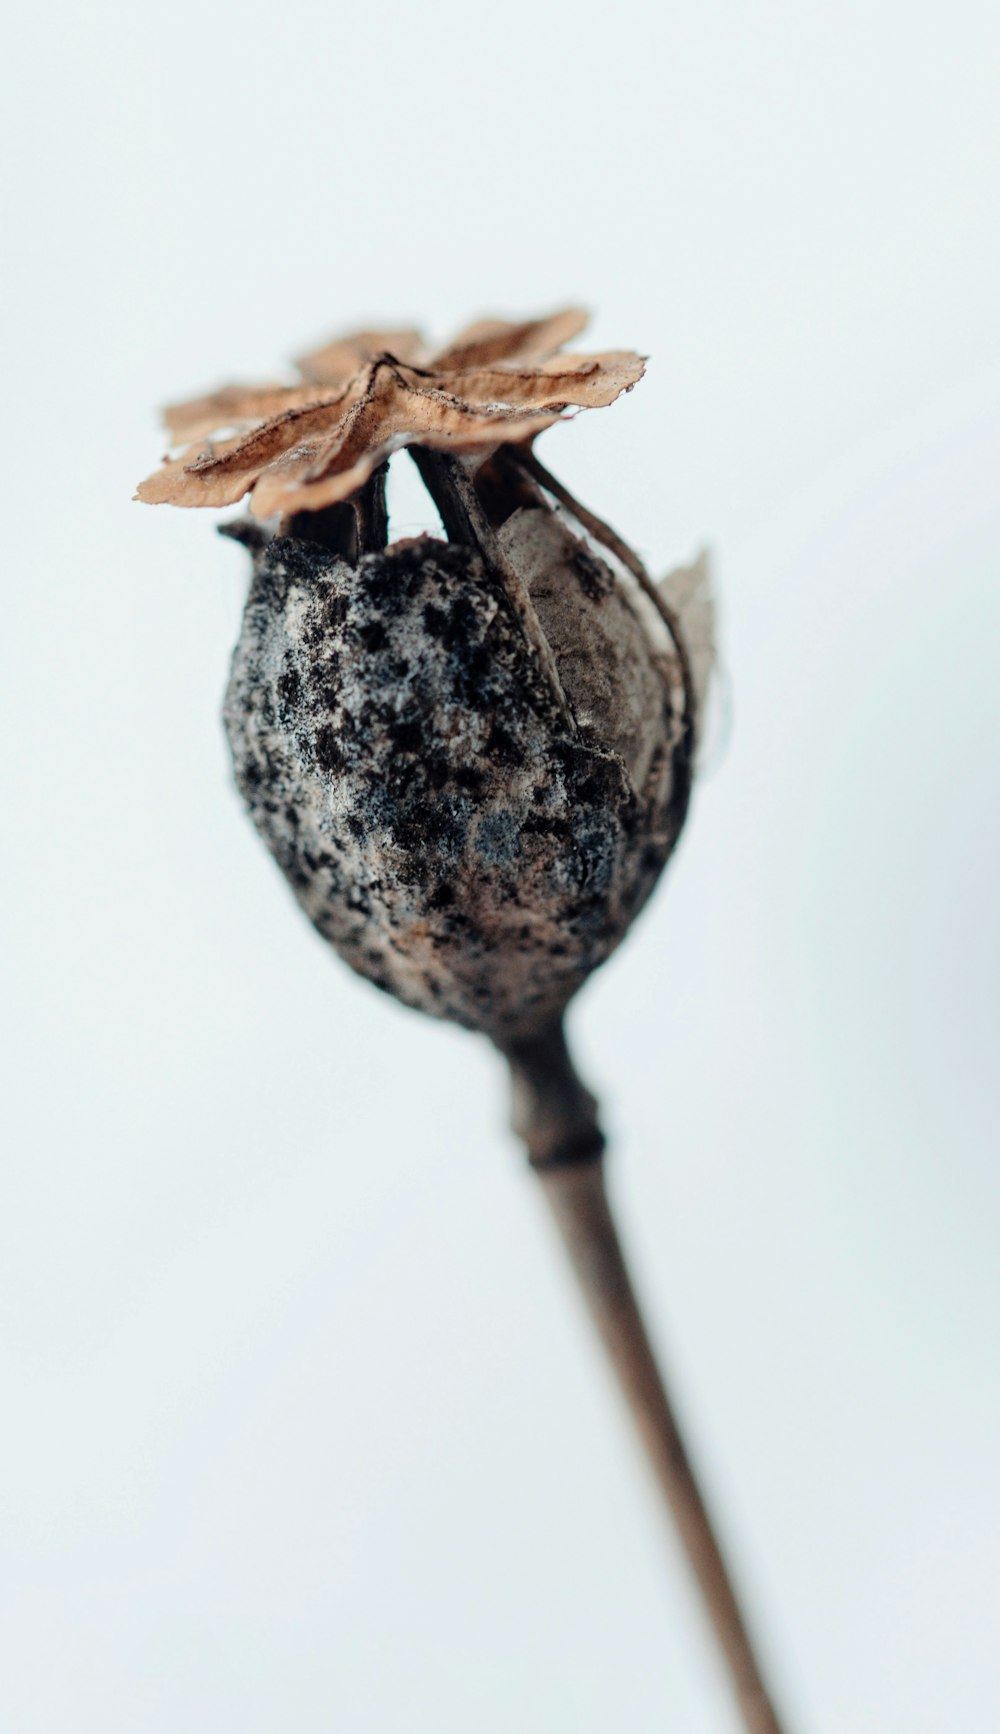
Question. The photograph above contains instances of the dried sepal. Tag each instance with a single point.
(303, 447)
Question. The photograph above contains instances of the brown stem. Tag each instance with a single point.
(552, 1111)
(349, 528)
(371, 513)
(333, 527)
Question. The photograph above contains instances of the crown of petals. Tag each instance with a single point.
(301, 447)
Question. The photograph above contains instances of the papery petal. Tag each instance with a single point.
(233, 405)
(335, 363)
(283, 491)
(492, 340)
(263, 444)
(219, 472)
(483, 433)
(179, 483)
(594, 381)
(402, 408)
(305, 446)
(588, 381)
(392, 415)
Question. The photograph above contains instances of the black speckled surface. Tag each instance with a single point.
(456, 839)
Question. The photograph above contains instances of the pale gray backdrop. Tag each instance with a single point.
(302, 1430)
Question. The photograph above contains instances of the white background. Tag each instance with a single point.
(302, 1428)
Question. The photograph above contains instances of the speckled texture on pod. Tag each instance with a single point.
(457, 837)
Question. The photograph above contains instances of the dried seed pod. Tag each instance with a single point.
(471, 758)
(472, 829)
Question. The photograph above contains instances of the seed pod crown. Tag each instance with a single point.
(304, 446)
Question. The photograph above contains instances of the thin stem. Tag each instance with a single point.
(552, 1110)
(349, 528)
(371, 513)
(550, 1117)
(333, 527)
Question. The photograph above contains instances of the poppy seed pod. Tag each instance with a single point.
(472, 823)
(472, 757)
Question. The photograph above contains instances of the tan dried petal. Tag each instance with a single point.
(263, 444)
(394, 414)
(209, 474)
(301, 447)
(586, 381)
(233, 406)
(339, 361)
(282, 491)
(492, 340)
(180, 483)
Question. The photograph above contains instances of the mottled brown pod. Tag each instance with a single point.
(471, 836)
(471, 757)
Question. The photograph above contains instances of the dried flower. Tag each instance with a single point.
(301, 447)
(470, 758)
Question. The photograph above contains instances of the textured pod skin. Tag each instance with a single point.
(460, 839)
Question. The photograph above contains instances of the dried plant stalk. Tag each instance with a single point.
(557, 1118)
